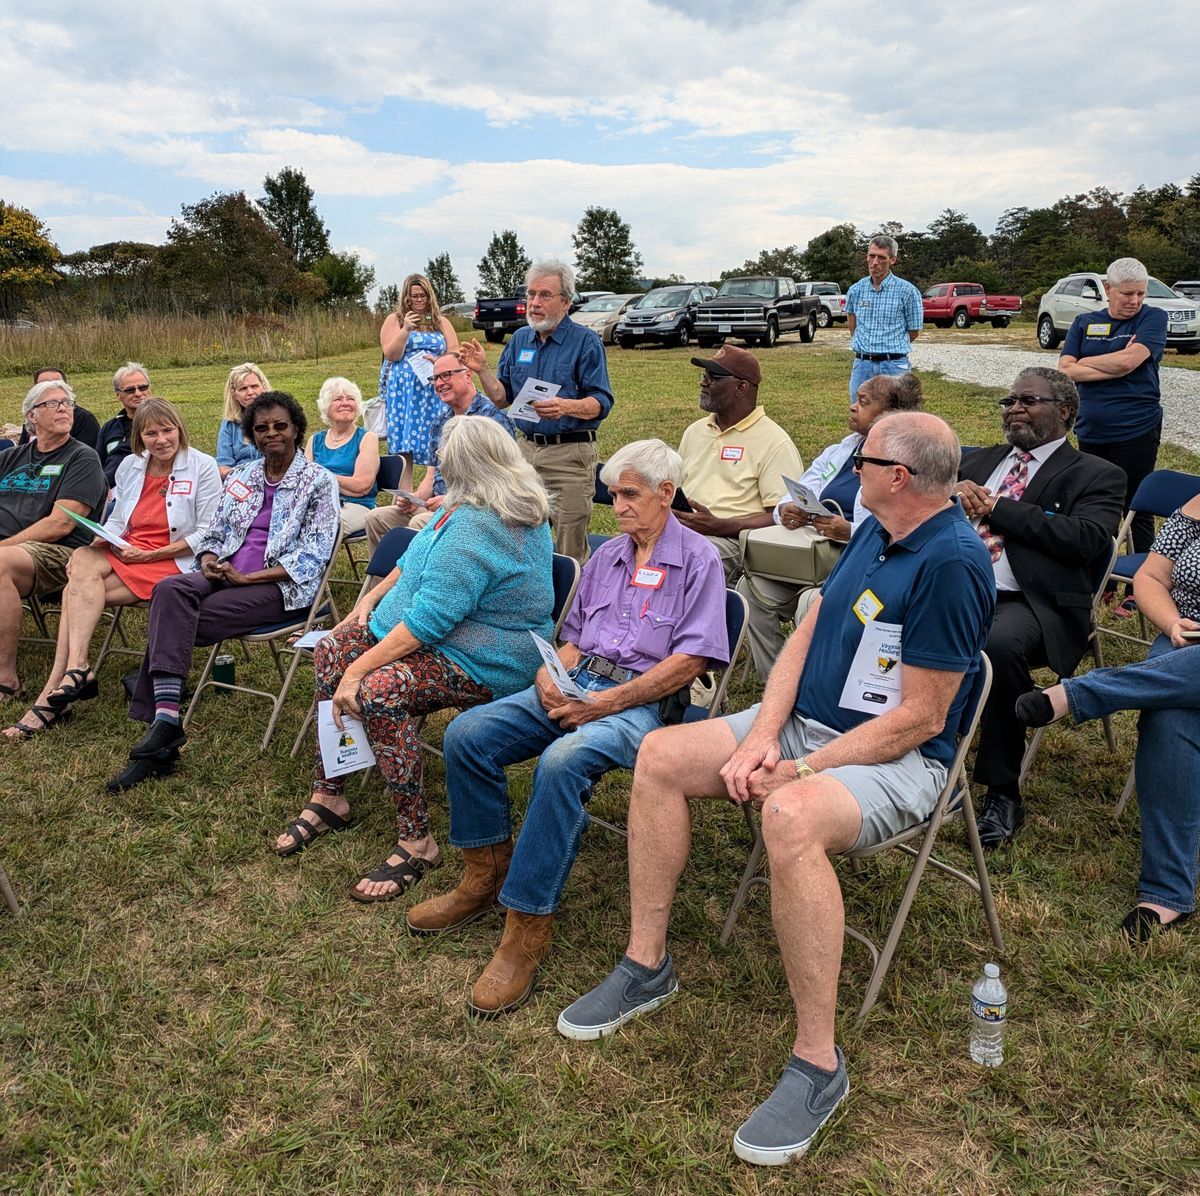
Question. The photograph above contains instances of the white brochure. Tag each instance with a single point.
(804, 498)
(534, 389)
(422, 366)
(342, 751)
(873, 684)
(558, 672)
(310, 639)
(415, 499)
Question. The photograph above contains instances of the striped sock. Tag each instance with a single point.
(168, 689)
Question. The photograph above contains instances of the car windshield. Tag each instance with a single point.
(676, 297)
(1159, 290)
(609, 304)
(760, 288)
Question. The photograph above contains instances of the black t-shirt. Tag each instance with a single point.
(112, 444)
(32, 482)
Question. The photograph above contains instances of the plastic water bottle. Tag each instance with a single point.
(989, 1002)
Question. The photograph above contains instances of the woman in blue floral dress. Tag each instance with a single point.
(415, 330)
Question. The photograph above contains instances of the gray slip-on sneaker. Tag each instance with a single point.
(622, 994)
(784, 1125)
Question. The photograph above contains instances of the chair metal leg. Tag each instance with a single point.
(202, 684)
(1126, 794)
(981, 872)
(10, 898)
(750, 876)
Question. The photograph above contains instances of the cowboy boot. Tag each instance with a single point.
(477, 893)
(508, 980)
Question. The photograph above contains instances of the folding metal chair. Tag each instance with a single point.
(116, 630)
(1097, 652)
(10, 898)
(1161, 493)
(391, 468)
(272, 634)
(737, 613)
(954, 801)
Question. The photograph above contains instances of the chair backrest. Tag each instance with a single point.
(602, 495)
(1102, 567)
(566, 581)
(391, 469)
(5, 443)
(737, 616)
(391, 548)
(1164, 491)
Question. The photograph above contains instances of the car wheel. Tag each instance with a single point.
(824, 319)
(626, 342)
(1048, 336)
(1000, 322)
(942, 323)
(685, 336)
(1188, 350)
(494, 337)
(705, 342)
(808, 330)
(772, 334)
(962, 318)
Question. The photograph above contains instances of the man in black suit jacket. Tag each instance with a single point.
(1048, 513)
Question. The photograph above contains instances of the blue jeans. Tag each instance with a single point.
(1166, 689)
(862, 370)
(480, 742)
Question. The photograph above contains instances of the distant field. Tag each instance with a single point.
(181, 1011)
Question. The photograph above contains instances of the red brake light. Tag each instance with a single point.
(520, 307)
(477, 311)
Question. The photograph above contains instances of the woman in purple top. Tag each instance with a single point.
(260, 560)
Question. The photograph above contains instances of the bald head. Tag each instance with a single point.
(924, 443)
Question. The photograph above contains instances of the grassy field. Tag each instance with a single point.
(182, 1011)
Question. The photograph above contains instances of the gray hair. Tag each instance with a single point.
(553, 267)
(653, 461)
(932, 456)
(331, 388)
(1062, 389)
(484, 468)
(1127, 269)
(883, 241)
(39, 391)
(130, 367)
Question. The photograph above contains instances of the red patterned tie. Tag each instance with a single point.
(1012, 485)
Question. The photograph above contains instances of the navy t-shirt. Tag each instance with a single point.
(1118, 409)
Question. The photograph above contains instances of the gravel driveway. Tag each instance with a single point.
(994, 365)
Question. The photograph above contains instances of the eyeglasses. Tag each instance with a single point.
(544, 295)
(1026, 401)
(55, 404)
(860, 460)
(280, 425)
(135, 390)
(446, 375)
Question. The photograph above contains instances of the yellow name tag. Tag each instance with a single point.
(867, 607)
(1099, 330)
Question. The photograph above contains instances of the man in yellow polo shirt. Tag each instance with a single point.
(733, 461)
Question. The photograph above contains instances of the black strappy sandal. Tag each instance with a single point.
(405, 874)
(85, 686)
(56, 716)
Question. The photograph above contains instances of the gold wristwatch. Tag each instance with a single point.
(802, 768)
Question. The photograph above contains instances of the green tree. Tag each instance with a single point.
(786, 262)
(605, 256)
(27, 259)
(387, 300)
(347, 279)
(444, 281)
(953, 235)
(503, 267)
(115, 278)
(837, 254)
(288, 206)
(222, 255)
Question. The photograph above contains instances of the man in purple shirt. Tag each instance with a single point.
(649, 617)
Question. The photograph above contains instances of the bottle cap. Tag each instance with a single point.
(991, 970)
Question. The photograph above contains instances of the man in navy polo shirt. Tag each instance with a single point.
(884, 315)
(560, 440)
(850, 745)
(1112, 356)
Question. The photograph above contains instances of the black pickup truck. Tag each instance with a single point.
(500, 316)
(758, 311)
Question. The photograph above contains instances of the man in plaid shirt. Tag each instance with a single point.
(884, 315)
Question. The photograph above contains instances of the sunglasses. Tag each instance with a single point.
(860, 460)
(1026, 401)
(135, 390)
(280, 425)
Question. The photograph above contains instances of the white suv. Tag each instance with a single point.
(1078, 293)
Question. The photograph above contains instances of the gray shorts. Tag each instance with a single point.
(892, 797)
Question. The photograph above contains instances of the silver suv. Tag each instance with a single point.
(1084, 292)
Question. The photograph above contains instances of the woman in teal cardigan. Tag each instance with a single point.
(449, 628)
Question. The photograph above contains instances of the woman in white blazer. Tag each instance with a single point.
(164, 499)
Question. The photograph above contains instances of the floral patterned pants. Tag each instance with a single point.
(393, 698)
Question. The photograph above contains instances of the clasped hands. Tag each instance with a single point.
(755, 770)
(215, 570)
(976, 500)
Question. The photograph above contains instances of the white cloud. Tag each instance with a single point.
(74, 232)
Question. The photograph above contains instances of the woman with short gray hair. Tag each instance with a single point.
(347, 450)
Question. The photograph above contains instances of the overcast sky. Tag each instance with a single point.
(715, 129)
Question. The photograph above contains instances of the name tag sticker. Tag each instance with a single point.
(732, 452)
(51, 471)
(1099, 330)
(525, 357)
(181, 487)
(112, 444)
(829, 471)
(649, 578)
(867, 606)
(238, 490)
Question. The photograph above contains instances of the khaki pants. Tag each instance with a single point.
(568, 471)
(382, 520)
(729, 549)
(772, 603)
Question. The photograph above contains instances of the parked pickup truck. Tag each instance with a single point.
(756, 310)
(499, 316)
(962, 303)
(833, 302)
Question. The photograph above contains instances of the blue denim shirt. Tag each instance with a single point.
(232, 447)
(572, 357)
(305, 518)
(480, 405)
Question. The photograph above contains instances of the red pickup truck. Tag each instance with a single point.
(962, 303)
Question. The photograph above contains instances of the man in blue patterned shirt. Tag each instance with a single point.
(884, 315)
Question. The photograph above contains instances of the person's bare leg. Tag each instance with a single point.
(16, 581)
(422, 849)
(89, 571)
(673, 764)
(802, 824)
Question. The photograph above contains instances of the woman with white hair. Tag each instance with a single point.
(450, 629)
(1112, 356)
(244, 384)
(347, 450)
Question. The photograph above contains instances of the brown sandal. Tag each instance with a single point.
(405, 874)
